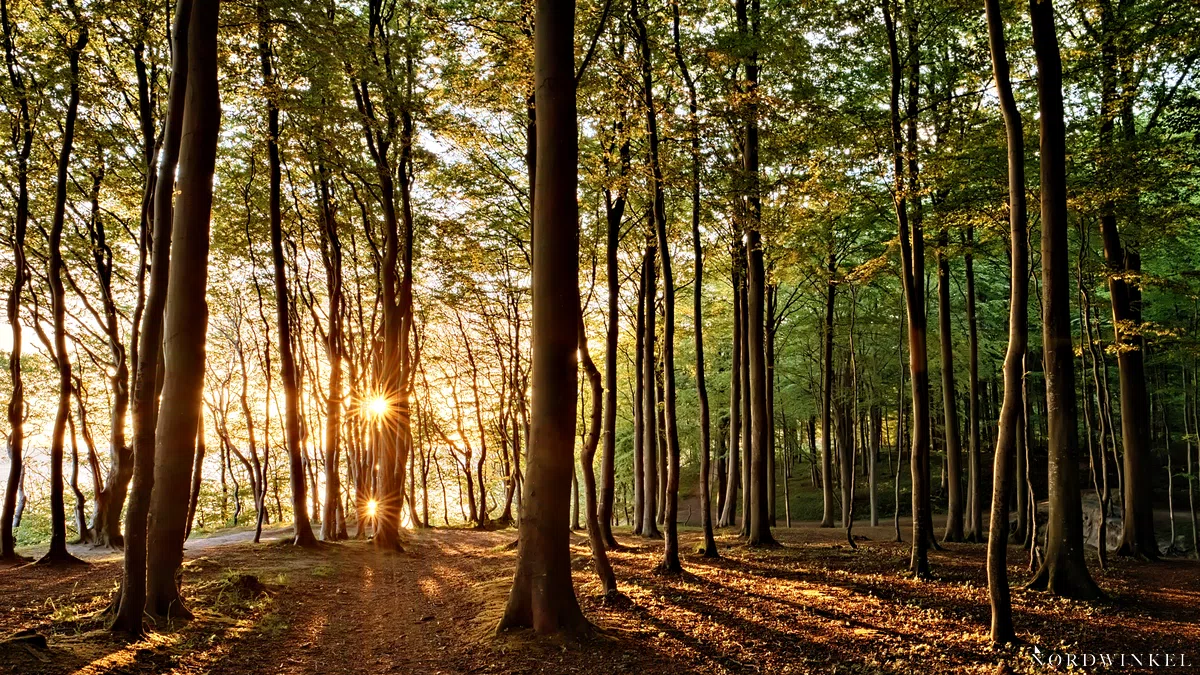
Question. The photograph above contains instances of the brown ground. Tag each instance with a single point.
(814, 606)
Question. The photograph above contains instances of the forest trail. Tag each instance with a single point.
(348, 609)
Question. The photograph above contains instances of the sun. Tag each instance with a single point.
(376, 407)
(371, 506)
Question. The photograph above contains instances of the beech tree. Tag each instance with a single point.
(542, 595)
(1063, 570)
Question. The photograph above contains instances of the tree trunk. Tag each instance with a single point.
(649, 406)
(670, 505)
(827, 396)
(186, 319)
(1008, 435)
(912, 256)
(58, 518)
(733, 462)
(639, 406)
(287, 361)
(615, 213)
(197, 475)
(953, 475)
(604, 569)
(131, 599)
(710, 546)
(542, 596)
(1063, 570)
(22, 138)
(975, 458)
(876, 440)
(331, 248)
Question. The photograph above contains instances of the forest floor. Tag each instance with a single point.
(812, 606)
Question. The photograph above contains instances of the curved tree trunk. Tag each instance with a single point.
(604, 569)
(912, 258)
(186, 319)
(131, 599)
(22, 146)
(58, 518)
(1008, 432)
(287, 360)
(670, 507)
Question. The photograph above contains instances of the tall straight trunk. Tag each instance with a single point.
(131, 599)
(876, 441)
(954, 508)
(1090, 355)
(542, 596)
(81, 526)
(846, 447)
(1009, 431)
(899, 429)
(287, 361)
(1191, 418)
(58, 517)
(197, 475)
(827, 395)
(639, 406)
(670, 505)
(912, 257)
(733, 463)
(22, 146)
(974, 456)
(1170, 468)
(604, 570)
(661, 455)
(710, 545)
(758, 523)
(615, 213)
(331, 247)
(1124, 266)
(747, 411)
(649, 405)
(1063, 570)
(772, 299)
(186, 318)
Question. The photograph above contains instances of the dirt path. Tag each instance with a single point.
(814, 606)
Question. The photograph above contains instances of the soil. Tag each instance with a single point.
(812, 606)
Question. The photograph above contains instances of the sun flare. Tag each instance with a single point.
(376, 407)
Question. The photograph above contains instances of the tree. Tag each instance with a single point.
(130, 602)
(62, 360)
(186, 319)
(1018, 335)
(670, 561)
(287, 360)
(710, 544)
(827, 393)
(542, 596)
(912, 259)
(1063, 570)
(22, 146)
